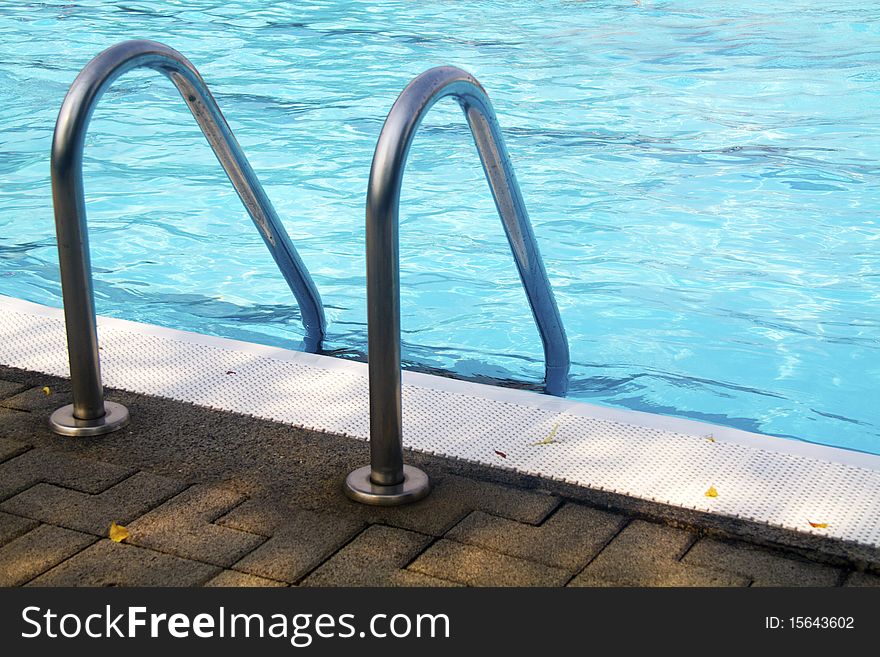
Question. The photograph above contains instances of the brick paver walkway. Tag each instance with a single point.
(216, 499)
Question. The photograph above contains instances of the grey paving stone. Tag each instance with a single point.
(647, 554)
(762, 566)
(475, 566)
(374, 558)
(9, 388)
(453, 497)
(37, 551)
(262, 458)
(521, 505)
(413, 579)
(9, 416)
(41, 465)
(10, 448)
(235, 579)
(116, 564)
(93, 514)
(183, 526)
(862, 579)
(300, 540)
(12, 527)
(36, 400)
(568, 539)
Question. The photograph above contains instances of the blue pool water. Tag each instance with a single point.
(702, 178)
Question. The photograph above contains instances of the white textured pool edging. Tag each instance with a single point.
(780, 482)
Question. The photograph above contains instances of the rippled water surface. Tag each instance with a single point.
(702, 178)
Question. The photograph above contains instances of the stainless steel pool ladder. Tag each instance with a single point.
(90, 414)
(387, 481)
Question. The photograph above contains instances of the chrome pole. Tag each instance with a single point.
(89, 414)
(387, 481)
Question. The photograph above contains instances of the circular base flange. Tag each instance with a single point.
(62, 421)
(359, 487)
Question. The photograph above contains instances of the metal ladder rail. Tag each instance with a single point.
(387, 481)
(90, 414)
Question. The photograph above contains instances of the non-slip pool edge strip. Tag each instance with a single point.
(787, 484)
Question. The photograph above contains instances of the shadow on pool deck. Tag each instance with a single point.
(219, 499)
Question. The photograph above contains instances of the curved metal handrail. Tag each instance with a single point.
(89, 414)
(387, 480)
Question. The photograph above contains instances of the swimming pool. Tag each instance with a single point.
(702, 181)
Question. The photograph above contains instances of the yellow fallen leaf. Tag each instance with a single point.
(46, 390)
(818, 525)
(711, 492)
(117, 533)
(709, 437)
(551, 437)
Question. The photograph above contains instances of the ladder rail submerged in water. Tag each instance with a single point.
(90, 414)
(387, 480)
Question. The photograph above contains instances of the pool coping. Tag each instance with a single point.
(830, 482)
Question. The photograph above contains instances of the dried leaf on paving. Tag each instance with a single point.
(117, 533)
